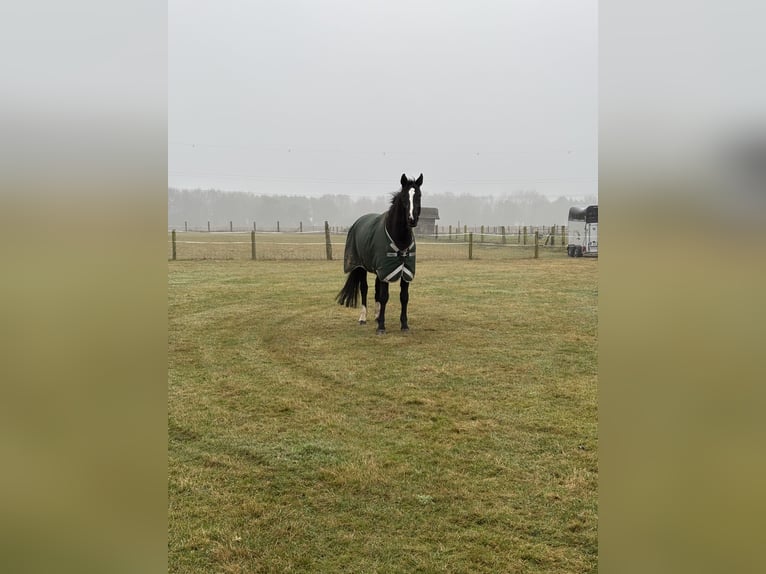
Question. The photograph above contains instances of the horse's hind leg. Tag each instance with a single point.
(381, 296)
(377, 297)
(404, 298)
(363, 290)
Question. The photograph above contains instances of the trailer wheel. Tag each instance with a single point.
(578, 251)
(570, 251)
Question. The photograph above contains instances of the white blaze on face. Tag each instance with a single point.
(412, 203)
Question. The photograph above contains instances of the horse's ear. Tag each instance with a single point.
(404, 179)
(419, 180)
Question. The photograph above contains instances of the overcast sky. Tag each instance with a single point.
(329, 96)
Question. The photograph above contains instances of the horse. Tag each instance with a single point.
(383, 244)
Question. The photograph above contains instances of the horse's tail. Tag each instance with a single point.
(349, 294)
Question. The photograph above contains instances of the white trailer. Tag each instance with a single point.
(583, 231)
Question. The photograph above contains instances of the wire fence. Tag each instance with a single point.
(324, 245)
(519, 234)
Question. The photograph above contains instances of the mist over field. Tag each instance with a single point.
(195, 208)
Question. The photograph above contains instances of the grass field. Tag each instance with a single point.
(299, 441)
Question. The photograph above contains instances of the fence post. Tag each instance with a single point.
(450, 232)
(470, 245)
(525, 235)
(277, 226)
(553, 236)
(482, 234)
(537, 243)
(253, 225)
(252, 243)
(186, 226)
(502, 230)
(563, 233)
(174, 244)
(208, 227)
(465, 229)
(301, 227)
(328, 244)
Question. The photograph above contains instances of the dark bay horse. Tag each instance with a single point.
(383, 244)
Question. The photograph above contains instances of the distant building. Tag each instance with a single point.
(427, 221)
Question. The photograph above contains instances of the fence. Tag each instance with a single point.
(519, 234)
(506, 235)
(524, 243)
(275, 227)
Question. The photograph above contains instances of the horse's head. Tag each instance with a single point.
(411, 198)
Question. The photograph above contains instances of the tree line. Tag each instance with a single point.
(197, 207)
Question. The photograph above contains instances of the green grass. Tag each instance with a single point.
(299, 441)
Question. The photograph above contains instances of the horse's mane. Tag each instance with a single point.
(395, 196)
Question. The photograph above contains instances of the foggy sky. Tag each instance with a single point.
(314, 97)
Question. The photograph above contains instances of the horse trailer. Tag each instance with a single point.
(583, 231)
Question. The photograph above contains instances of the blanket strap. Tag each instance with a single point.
(395, 272)
(402, 255)
(396, 252)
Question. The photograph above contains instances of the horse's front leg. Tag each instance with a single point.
(381, 298)
(404, 298)
(363, 290)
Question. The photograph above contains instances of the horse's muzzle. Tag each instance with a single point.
(412, 222)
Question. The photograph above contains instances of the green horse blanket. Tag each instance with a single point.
(369, 245)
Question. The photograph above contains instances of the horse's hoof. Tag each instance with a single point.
(380, 332)
(405, 329)
(362, 322)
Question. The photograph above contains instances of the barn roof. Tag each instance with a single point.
(429, 212)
